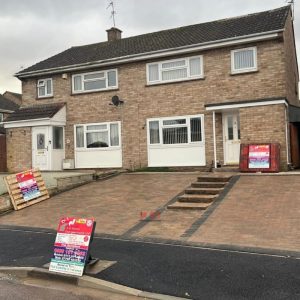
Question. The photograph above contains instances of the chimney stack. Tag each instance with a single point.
(114, 34)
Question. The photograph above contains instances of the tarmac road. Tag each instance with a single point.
(167, 269)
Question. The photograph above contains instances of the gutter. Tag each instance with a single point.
(5, 111)
(160, 53)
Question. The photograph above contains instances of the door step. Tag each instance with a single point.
(213, 178)
(184, 205)
(196, 198)
(217, 185)
(201, 193)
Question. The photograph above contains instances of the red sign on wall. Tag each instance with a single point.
(72, 245)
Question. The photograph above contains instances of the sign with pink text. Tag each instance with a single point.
(71, 245)
(28, 185)
(259, 156)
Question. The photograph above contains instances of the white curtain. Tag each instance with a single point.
(195, 67)
(153, 72)
(154, 132)
(114, 134)
(244, 59)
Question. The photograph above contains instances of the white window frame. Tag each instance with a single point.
(89, 80)
(85, 131)
(187, 124)
(244, 70)
(187, 65)
(41, 83)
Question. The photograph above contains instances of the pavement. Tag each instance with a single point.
(256, 212)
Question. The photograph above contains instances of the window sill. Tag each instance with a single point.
(44, 98)
(187, 145)
(174, 82)
(94, 92)
(98, 149)
(243, 73)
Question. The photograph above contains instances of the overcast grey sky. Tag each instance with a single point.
(33, 30)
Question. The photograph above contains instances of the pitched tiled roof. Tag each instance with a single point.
(169, 39)
(17, 95)
(35, 112)
(6, 104)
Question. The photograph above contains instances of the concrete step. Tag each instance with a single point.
(196, 198)
(231, 168)
(181, 205)
(203, 191)
(214, 178)
(208, 184)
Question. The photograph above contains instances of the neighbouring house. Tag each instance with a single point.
(187, 96)
(7, 106)
(15, 97)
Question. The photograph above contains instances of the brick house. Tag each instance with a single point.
(181, 97)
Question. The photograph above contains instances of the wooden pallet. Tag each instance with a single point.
(16, 196)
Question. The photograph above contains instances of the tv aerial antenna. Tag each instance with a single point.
(113, 12)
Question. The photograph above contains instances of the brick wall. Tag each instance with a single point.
(18, 143)
(265, 124)
(174, 99)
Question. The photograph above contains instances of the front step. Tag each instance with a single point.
(203, 191)
(182, 205)
(196, 198)
(208, 184)
(213, 178)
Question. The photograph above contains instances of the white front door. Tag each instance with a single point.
(231, 131)
(40, 148)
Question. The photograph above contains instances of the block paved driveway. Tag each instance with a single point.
(261, 211)
(115, 204)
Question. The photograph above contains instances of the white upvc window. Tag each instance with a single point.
(95, 81)
(244, 60)
(175, 70)
(97, 135)
(45, 88)
(176, 130)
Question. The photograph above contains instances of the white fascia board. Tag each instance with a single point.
(156, 54)
(6, 111)
(249, 104)
(33, 123)
(27, 123)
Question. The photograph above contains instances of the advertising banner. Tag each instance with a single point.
(259, 156)
(28, 185)
(71, 246)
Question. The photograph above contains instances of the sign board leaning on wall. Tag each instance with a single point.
(26, 188)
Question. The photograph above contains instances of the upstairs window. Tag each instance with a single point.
(45, 88)
(243, 60)
(175, 70)
(95, 81)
